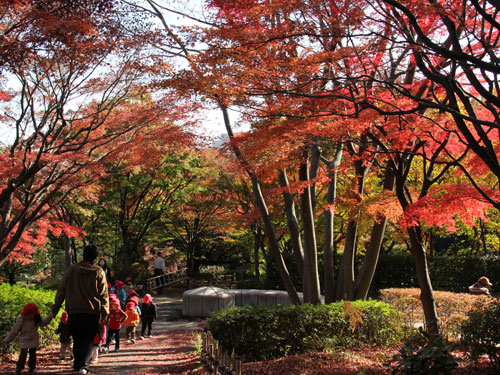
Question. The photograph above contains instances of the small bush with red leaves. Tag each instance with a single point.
(452, 308)
(481, 333)
(262, 333)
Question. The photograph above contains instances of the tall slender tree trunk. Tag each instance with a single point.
(418, 251)
(313, 173)
(311, 276)
(269, 230)
(328, 253)
(293, 223)
(256, 248)
(365, 276)
(67, 251)
(424, 280)
(345, 284)
(266, 218)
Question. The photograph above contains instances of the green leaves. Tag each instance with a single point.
(261, 332)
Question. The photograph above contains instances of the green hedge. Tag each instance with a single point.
(480, 333)
(453, 274)
(12, 300)
(263, 333)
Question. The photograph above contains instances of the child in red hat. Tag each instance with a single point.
(64, 336)
(116, 317)
(120, 292)
(149, 315)
(134, 297)
(26, 325)
(128, 285)
(131, 322)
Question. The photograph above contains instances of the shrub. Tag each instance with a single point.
(481, 332)
(12, 300)
(422, 356)
(263, 333)
(452, 308)
(454, 274)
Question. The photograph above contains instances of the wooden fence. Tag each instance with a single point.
(217, 361)
(166, 279)
(170, 278)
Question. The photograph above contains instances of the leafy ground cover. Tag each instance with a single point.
(365, 360)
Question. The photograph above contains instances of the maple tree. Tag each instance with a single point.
(327, 70)
(69, 70)
(454, 47)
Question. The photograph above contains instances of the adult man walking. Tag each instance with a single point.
(159, 269)
(85, 289)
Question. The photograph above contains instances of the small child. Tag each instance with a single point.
(149, 315)
(134, 297)
(131, 322)
(64, 337)
(120, 292)
(116, 317)
(99, 339)
(128, 285)
(27, 324)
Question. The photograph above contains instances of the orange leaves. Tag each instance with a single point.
(452, 308)
(354, 313)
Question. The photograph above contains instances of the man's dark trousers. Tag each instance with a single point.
(159, 272)
(83, 328)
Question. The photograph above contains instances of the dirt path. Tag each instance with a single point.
(169, 351)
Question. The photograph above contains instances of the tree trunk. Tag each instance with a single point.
(256, 247)
(417, 248)
(424, 281)
(293, 223)
(345, 286)
(328, 253)
(311, 276)
(365, 276)
(313, 173)
(67, 251)
(269, 230)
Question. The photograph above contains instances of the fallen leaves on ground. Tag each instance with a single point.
(366, 360)
(174, 353)
(169, 353)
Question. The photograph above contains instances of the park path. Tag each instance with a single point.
(169, 351)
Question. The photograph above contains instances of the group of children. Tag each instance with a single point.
(127, 313)
(124, 311)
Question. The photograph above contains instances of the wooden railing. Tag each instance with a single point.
(215, 360)
(166, 279)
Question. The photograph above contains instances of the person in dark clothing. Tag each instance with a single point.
(85, 289)
(159, 269)
(149, 315)
(64, 336)
(102, 263)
